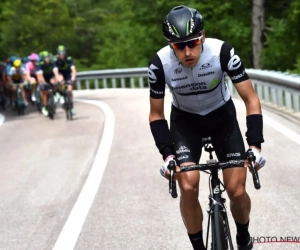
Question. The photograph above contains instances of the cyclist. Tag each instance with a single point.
(64, 70)
(45, 71)
(17, 76)
(9, 63)
(25, 60)
(194, 69)
(32, 78)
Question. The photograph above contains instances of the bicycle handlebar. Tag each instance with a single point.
(213, 165)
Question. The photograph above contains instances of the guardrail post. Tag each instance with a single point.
(259, 91)
(104, 83)
(296, 101)
(96, 84)
(114, 84)
(266, 93)
(87, 84)
(288, 100)
(123, 83)
(274, 96)
(280, 97)
(141, 81)
(78, 84)
(132, 82)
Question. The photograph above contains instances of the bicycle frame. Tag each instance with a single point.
(216, 199)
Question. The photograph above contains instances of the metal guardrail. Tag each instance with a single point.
(279, 89)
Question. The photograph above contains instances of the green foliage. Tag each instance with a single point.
(127, 33)
(282, 50)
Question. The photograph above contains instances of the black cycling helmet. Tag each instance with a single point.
(182, 22)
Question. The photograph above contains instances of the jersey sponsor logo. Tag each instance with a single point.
(206, 74)
(234, 62)
(179, 78)
(178, 71)
(157, 92)
(151, 75)
(193, 86)
(238, 76)
(205, 66)
(233, 155)
(214, 83)
(183, 149)
(198, 86)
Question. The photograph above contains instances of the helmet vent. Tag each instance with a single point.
(178, 7)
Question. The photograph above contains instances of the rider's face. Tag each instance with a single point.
(62, 56)
(189, 55)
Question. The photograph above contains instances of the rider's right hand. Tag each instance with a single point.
(164, 168)
(260, 161)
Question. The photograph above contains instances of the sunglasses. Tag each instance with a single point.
(190, 43)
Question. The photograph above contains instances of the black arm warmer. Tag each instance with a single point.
(254, 132)
(162, 137)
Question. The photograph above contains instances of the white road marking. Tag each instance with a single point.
(2, 119)
(282, 129)
(71, 230)
(274, 124)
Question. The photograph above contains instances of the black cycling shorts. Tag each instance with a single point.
(67, 78)
(48, 78)
(187, 131)
(45, 86)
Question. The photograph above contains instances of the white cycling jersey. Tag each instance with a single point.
(17, 71)
(200, 89)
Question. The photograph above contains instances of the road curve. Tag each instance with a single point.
(43, 168)
(44, 164)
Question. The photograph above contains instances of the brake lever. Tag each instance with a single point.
(172, 182)
(251, 158)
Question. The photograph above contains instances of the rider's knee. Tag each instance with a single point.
(236, 192)
(189, 187)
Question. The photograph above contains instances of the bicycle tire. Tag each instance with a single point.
(20, 102)
(219, 241)
(68, 103)
(51, 106)
(2, 101)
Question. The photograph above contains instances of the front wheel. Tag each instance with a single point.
(51, 106)
(68, 105)
(219, 241)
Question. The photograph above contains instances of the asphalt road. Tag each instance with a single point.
(45, 165)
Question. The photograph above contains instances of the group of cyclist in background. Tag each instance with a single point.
(36, 74)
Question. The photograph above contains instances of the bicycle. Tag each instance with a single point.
(2, 98)
(38, 102)
(68, 105)
(20, 105)
(217, 214)
(51, 103)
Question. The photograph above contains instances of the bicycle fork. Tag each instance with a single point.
(216, 201)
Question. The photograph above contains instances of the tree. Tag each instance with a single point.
(258, 24)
